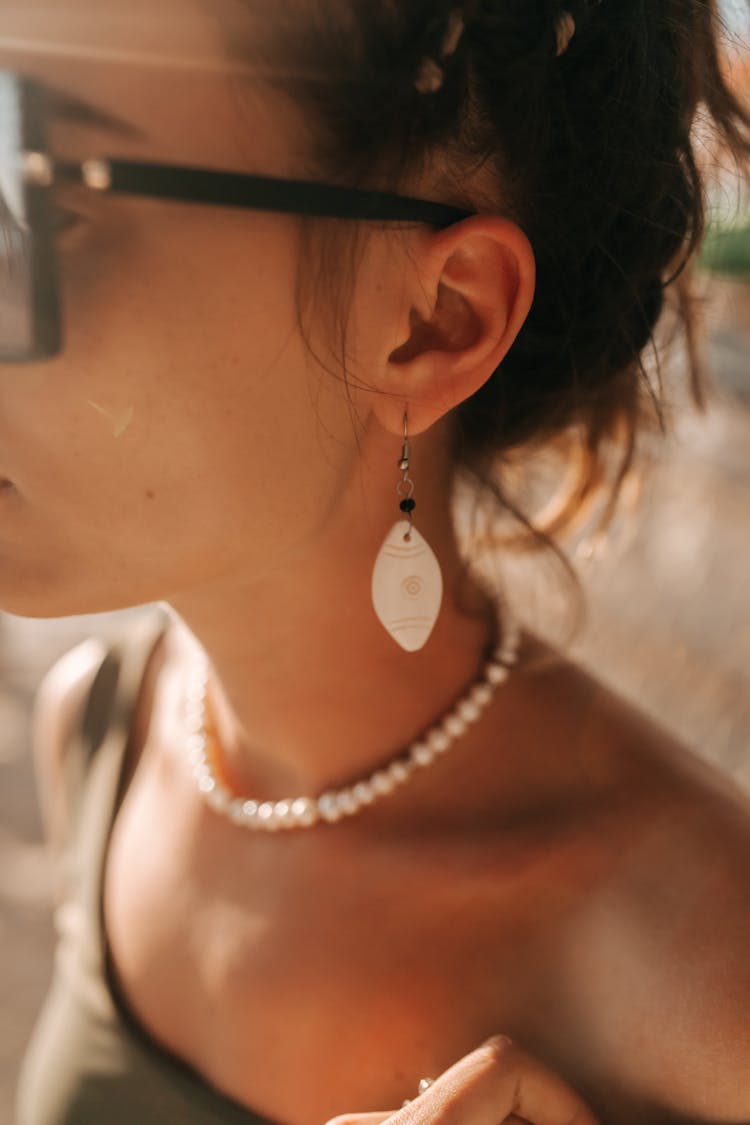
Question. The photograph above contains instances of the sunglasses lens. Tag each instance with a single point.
(29, 321)
(16, 305)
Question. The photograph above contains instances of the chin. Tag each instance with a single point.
(38, 599)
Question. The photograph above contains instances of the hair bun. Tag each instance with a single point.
(430, 77)
(574, 17)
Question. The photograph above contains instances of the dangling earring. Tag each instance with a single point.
(407, 583)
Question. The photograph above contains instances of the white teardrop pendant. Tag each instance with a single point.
(407, 586)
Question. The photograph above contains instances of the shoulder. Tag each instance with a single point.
(633, 763)
(657, 959)
(57, 709)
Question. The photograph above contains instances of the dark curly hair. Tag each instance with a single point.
(592, 152)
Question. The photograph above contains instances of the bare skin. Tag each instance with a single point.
(455, 907)
(185, 448)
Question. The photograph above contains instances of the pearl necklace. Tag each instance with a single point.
(303, 812)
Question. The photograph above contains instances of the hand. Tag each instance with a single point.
(497, 1084)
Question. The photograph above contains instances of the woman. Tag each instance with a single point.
(210, 436)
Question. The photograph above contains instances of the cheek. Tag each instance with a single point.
(164, 314)
(196, 304)
(179, 433)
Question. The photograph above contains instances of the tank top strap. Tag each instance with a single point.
(95, 757)
(106, 1054)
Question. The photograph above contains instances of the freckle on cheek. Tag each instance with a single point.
(149, 494)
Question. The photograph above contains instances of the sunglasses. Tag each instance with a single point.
(30, 317)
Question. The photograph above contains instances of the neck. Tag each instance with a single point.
(308, 691)
(327, 700)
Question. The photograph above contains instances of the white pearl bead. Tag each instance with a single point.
(364, 793)
(235, 810)
(468, 710)
(495, 673)
(454, 725)
(206, 783)
(282, 811)
(250, 809)
(438, 740)
(347, 802)
(265, 811)
(381, 783)
(422, 754)
(482, 694)
(304, 811)
(197, 757)
(399, 770)
(507, 652)
(218, 798)
(328, 806)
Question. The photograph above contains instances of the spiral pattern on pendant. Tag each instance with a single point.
(412, 586)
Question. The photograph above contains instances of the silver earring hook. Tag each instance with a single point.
(406, 480)
(405, 450)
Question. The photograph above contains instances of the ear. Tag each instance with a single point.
(462, 306)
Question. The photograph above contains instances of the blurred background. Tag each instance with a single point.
(668, 598)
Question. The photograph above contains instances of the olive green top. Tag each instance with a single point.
(88, 1061)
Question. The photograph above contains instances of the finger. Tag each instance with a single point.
(492, 1083)
(361, 1118)
(378, 1118)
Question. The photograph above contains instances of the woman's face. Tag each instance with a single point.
(179, 432)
